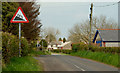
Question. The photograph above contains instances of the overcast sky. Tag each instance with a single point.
(64, 15)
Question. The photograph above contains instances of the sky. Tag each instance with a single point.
(64, 15)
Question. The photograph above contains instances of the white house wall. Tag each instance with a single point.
(112, 44)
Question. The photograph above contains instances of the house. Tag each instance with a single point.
(107, 37)
(54, 44)
(66, 45)
(60, 45)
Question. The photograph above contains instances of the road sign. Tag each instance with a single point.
(19, 17)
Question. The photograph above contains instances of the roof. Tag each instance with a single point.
(108, 35)
(64, 44)
(55, 42)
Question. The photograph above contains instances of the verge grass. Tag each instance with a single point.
(108, 58)
(27, 63)
(37, 53)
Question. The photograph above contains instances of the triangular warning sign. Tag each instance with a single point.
(19, 17)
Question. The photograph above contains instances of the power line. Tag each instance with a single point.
(106, 5)
(88, 5)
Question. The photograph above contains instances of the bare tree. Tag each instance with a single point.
(80, 32)
(50, 34)
(103, 23)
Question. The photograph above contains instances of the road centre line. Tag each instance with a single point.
(79, 67)
(76, 66)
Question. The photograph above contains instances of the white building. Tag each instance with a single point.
(60, 45)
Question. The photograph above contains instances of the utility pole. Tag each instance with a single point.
(91, 10)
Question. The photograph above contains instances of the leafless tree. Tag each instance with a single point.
(80, 32)
(50, 34)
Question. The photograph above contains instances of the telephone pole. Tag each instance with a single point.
(91, 10)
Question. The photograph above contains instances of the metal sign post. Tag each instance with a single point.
(19, 39)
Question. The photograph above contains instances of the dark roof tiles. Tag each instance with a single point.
(109, 35)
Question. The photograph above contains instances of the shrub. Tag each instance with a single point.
(117, 50)
(78, 47)
(100, 49)
(10, 46)
(33, 45)
(43, 43)
(81, 46)
(56, 50)
(25, 47)
(62, 51)
(75, 47)
(66, 51)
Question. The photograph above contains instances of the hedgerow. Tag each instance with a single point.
(10, 46)
(61, 51)
(93, 48)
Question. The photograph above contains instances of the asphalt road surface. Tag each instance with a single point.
(70, 63)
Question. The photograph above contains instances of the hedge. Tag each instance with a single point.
(10, 46)
(108, 55)
(93, 48)
(61, 51)
(81, 46)
(25, 47)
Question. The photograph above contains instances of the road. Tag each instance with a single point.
(70, 63)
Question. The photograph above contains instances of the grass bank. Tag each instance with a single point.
(37, 53)
(108, 58)
(27, 63)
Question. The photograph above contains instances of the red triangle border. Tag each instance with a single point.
(19, 21)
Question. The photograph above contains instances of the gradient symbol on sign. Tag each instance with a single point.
(19, 17)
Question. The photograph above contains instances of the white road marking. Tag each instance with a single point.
(79, 67)
(76, 66)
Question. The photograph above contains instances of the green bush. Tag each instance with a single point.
(61, 51)
(75, 47)
(100, 49)
(10, 46)
(56, 50)
(25, 47)
(78, 47)
(43, 43)
(66, 51)
(33, 44)
(81, 46)
(117, 49)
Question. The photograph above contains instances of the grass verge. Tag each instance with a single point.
(37, 53)
(108, 58)
(27, 63)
